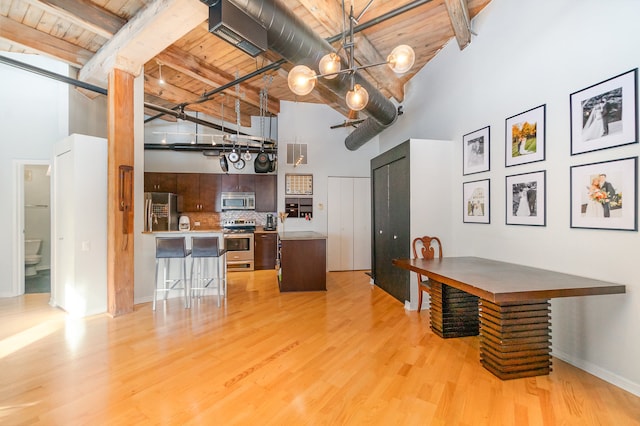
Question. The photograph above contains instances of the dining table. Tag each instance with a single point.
(506, 304)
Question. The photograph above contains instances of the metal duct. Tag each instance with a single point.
(296, 42)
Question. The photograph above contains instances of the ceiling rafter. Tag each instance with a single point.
(198, 69)
(177, 95)
(44, 43)
(84, 14)
(459, 16)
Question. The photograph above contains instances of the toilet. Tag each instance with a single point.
(31, 256)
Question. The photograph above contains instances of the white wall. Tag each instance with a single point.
(33, 116)
(326, 156)
(528, 53)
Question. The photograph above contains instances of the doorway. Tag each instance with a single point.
(32, 267)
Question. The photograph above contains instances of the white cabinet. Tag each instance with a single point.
(349, 224)
(79, 210)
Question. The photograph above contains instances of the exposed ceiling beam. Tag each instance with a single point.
(459, 16)
(44, 43)
(177, 96)
(157, 26)
(84, 14)
(196, 68)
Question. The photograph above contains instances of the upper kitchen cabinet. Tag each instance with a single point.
(266, 193)
(160, 182)
(238, 183)
(200, 192)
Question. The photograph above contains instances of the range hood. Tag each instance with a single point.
(236, 27)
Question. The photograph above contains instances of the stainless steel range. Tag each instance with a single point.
(238, 240)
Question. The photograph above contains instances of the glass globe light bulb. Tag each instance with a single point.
(357, 98)
(301, 80)
(401, 59)
(329, 64)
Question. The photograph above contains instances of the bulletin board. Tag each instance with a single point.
(298, 184)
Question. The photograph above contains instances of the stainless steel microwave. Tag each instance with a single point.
(238, 201)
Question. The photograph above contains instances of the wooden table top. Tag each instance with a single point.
(506, 282)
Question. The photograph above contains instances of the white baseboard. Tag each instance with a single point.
(599, 372)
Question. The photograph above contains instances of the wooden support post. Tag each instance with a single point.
(120, 193)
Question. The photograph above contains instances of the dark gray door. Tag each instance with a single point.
(390, 230)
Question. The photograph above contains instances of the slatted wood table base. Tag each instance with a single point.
(454, 313)
(515, 339)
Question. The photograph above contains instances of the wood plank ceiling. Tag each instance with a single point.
(171, 37)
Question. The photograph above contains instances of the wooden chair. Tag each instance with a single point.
(424, 247)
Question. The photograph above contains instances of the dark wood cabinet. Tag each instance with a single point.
(200, 192)
(160, 182)
(238, 183)
(266, 245)
(266, 188)
(391, 220)
(303, 262)
(299, 207)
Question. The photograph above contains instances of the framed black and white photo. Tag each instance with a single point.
(476, 202)
(604, 115)
(526, 199)
(525, 137)
(475, 151)
(604, 195)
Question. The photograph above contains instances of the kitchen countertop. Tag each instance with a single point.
(193, 231)
(302, 235)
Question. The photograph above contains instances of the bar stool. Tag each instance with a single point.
(168, 248)
(204, 249)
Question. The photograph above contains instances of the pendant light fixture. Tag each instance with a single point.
(302, 79)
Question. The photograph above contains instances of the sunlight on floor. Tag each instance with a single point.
(18, 341)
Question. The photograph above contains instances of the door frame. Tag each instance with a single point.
(19, 221)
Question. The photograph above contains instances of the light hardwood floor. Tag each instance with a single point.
(351, 355)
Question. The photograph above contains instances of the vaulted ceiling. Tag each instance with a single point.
(171, 39)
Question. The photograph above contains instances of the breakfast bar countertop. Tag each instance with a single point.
(301, 235)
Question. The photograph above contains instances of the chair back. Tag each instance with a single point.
(170, 247)
(204, 247)
(425, 247)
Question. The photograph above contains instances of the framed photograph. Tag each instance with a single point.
(526, 199)
(524, 137)
(604, 115)
(604, 195)
(476, 202)
(475, 151)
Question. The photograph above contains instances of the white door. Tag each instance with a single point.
(63, 274)
(349, 224)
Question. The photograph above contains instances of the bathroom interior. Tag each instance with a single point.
(37, 229)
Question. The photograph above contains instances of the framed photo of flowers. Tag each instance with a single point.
(476, 201)
(526, 199)
(525, 137)
(604, 115)
(475, 151)
(604, 195)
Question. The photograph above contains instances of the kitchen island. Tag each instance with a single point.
(302, 261)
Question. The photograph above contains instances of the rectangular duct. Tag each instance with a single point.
(236, 27)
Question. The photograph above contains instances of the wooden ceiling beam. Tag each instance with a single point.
(153, 29)
(44, 43)
(84, 14)
(459, 16)
(178, 96)
(196, 68)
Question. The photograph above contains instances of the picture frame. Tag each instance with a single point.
(525, 195)
(604, 195)
(604, 115)
(298, 184)
(476, 202)
(475, 151)
(525, 137)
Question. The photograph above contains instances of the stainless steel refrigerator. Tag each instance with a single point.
(160, 211)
